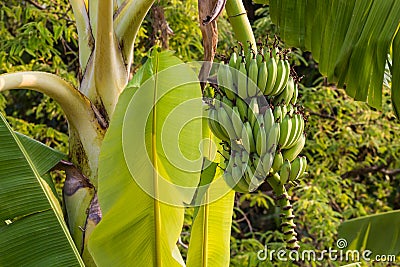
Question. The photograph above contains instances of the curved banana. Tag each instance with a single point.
(261, 142)
(297, 130)
(278, 162)
(253, 111)
(284, 173)
(236, 121)
(262, 77)
(272, 76)
(269, 119)
(295, 171)
(286, 128)
(242, 81)
(273, 138)
(226, 123)
(267, 161)
(252, 78)
(247, 138)
(295, 150)
(278, 113)
(215, 127)
(293, 101)
(242, 106)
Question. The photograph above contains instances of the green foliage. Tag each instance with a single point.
(30, 214)
(41, 38)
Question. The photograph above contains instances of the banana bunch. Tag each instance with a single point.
(254, 112)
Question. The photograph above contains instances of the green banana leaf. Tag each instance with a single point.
(210, 235)
(379, 233)
(137, 228)
(32, 229)
(350, 39)
(38, 152)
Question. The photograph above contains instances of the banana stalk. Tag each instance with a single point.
(240, 23)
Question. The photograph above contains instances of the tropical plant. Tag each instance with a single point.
(116, 207)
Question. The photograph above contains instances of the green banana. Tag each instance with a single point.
(215, 127)
(226, 102)
(262, 77)
(242, 81)
(295, 150)
(286, 95)
(275, 53)
(258, 167)
(242, 106)
(259, 123)
(303, 160)
(284, 173)
(277, 163)
(290, 90)
(272, 76)
(225, 121)
(239, 186)
(269, 119)
(278, 113)
(253, 111)
(284, 109)
(247, 138)
(225, 81)
(245, 156)
(280, 78)
(295, 171)
(267, 161)
(273, 138)
(259, 57)
(261, 142)
(286, 128)
(252, 78)
(295, 94)
(236, 121)
(297, 130)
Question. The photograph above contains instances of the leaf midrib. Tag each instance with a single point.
(157, 215)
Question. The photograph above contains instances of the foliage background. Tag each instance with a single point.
(353, 151)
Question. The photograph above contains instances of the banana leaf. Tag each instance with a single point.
(351, 40)
(142, 213)
(32, 229)
(379, 233)
(210, 235)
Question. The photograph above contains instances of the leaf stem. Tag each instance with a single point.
(127, 22)
(85, 37)
(83, 118)
(237, 16)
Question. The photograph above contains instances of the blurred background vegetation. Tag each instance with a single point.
(352, 150)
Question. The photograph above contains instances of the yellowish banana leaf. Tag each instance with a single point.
(32, 229)
(210, 235)
(139, 226)
(351, 40)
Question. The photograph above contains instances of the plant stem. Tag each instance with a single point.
(85, 37)
(127, 22)
(85, 122)
(110, 74)
(237, 16)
